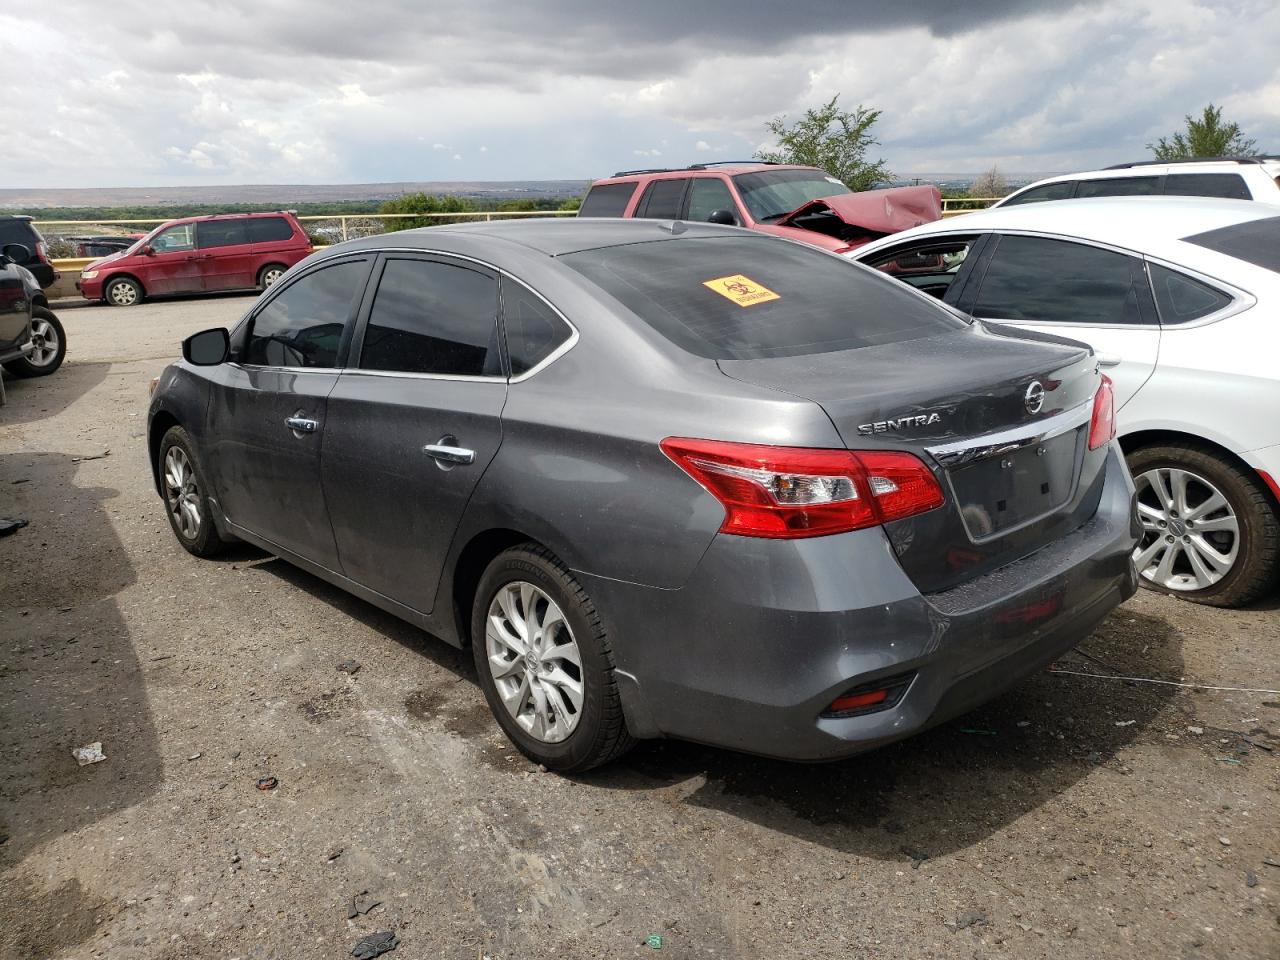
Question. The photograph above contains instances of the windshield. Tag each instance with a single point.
(771, 194)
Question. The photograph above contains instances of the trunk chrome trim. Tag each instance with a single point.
(1006, 441)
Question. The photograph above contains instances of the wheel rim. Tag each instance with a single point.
(123, 294)
(182, 493)
(1190, 535)
(44, 339)
(535, 662)
(271, 276)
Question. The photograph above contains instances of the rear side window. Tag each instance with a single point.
(1228, 185)
(1050, 191)
(1255, 241)
(264, 229)
(663, 200)
(1181, 299)
(1056, 281)
(742, 298)
(17, 231)
(607, 200)
(1118, 187)
(220, 233)
(436, 318)
(534, 331)
(302, 326)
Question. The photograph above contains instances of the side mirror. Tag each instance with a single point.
(723, 217)
(208, 348)
(147, 250)
(15, 253)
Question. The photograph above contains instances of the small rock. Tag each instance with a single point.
(375, 945)
(542, 768)
(1196, 730)
(1250, 878)
(970, 918)
(195, 756)
(348, 666)
(268, 783)
(1224, 841)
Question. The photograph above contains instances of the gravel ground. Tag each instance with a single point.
(1073, 818)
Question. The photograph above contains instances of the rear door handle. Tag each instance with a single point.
(446, 450)
(1108, 359)
(303, 424)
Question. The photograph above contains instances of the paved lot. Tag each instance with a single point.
(1073, 818)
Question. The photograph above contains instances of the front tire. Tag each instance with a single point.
(1211, 532)
(123, 292)
(545, 663)
(186, 497)
(50, 346)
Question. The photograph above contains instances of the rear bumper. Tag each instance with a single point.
(750, 653)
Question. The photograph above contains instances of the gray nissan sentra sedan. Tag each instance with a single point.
(666, 479)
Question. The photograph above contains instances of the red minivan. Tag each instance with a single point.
(198, 255)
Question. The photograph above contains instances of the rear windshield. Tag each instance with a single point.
(1255, 241)
(744, 298)
(607, 200)
(771, 194)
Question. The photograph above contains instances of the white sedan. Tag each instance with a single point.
(1180, 298)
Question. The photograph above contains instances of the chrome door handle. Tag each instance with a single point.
(1108, 359)
(302, 424)
(446, 450)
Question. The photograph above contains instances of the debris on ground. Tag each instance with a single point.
(11, 524)
(267, 783)
(970, 918)
(654, 941)
(361, 904)
(89, 753)
(1195, 730)
(916, 856)
(1271, 861)
(1224, 841)
(349, 666)
(981, 733)
(195, 756)
(1125, 723)
(1250, 878)
(375, 945)
(95, 456)
(334, 854)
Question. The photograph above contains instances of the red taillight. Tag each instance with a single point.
(1102, 429)
(42, 252)
(858, 701)
(790, 492)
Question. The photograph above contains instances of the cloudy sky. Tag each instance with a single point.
(138, 92)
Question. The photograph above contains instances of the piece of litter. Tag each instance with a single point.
(1227, 760)
(89, 753)
(1196, 730)
(1249, 720)
(654, 941)
(1165, 683)
(334, 855)
(267, 783)
(348, 666)
(981, 733)
(10, 525)
(96, 456)
(195, 756)
(1125, 723)
(1024, 723)
(375, 945)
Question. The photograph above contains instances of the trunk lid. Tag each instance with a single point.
(1016, 474)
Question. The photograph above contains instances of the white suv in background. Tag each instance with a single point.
(1242, 178)
(1180, 299)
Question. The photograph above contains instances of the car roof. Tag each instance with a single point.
(729, 168)
(16, 216)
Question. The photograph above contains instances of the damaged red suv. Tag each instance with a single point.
(802, 203)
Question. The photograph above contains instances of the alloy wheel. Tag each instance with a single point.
(535, 661)
(181, 492)
(1190, 534)
(123, 294)
(44, 339)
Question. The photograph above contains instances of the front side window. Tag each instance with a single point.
(1118, 187)
(1182, 299)
(175, 239)
(662, 200)
(772, 194)
(706, 196)
(1039, 280)
(534, 331)
(607, 200)
(1062, 190)
(435, 318)
(302, 326)
(220, 233)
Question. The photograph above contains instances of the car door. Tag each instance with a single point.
(413, 421)
(267, 411)
(174, 264)
(225, 255)
(1074, 289)
(663, 199)
(708, 195)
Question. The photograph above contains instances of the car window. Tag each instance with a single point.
(1228, 185)
(929, 265)
(607, 200)
(220, 233)
(1056, 281)
(1182, 299)
(772, 194)
(707, 195)
(741, 298)
(534, 331)
(181, 237)
(17, 231)
(1118, 187)
(432, 317)
(663, 200)
(264, 229)
(302, 326)
(1253, 241)
(1062, 190)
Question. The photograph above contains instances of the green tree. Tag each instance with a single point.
(573, 203)
(1206, 137)
(426, 203)
(833, 140)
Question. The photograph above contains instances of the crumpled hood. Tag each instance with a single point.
(878, 211)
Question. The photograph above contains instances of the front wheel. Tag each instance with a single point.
(1210, 530)
(186, 497)
(545, 663)
(49, 346)
(122, 292)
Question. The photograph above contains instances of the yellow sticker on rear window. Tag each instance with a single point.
(743, 291)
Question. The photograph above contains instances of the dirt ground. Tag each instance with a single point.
(1073, 818)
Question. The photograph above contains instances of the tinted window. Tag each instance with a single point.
(534, 330)
(17, 231)
(607, 200)
(662, 200)
(220, 233)
(1050, 191)
(1118, 187)
(263, 229)
(1181, 299)
(1055, 281)
(181, 237)
(303, 325)
(739, 298)
(770, 194)
(707, 195)
(430, 317)
(1255, 241)
(1228, 185)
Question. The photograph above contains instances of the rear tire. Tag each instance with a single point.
(186, 497)
(123, 292)
(535, 632)
(270, 274)
(1245, 528)
(51, 348)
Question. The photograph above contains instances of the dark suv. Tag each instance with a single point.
(32, 343)
(20, 230)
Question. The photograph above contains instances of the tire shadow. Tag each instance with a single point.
(35, 398)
